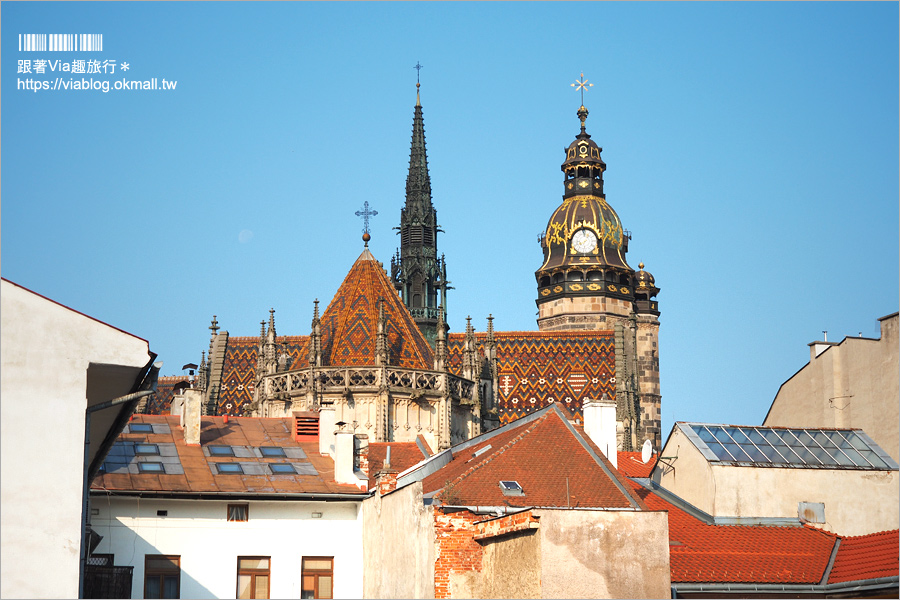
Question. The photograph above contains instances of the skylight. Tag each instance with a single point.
(762, 446)
(282, 468)
(511, 488)
(220, 451)
(140, 428)
(151, 467)
(229, 468)
(271, 451)
(146, 449)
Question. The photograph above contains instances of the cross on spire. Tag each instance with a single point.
(365, 213)
(582, 86)
(418, 68)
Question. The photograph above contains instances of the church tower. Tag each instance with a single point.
(585, 283)
(416, 270)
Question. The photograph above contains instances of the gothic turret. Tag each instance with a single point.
(416, 270)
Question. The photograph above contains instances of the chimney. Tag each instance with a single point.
(190, 416)
(326, 431)
(386, 478)
(600, 426)
(344, 449)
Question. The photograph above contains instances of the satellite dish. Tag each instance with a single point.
(646, 451)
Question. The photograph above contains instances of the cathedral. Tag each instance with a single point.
(381, 361)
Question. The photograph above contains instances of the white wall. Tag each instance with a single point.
(46, 351)
(209, 545)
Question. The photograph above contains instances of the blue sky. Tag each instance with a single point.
(752, 151)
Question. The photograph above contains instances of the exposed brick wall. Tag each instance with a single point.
(457, 550)
(508, 524)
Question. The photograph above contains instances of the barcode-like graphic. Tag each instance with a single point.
(60, 42)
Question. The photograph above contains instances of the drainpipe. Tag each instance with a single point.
(149, 380)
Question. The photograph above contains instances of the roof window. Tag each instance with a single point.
(146, 449)
(282, 468)
(778, 447)
(511, 488)
(271, 451)
(151, 467)
(220, 451)
(140, 428)
(229, 468)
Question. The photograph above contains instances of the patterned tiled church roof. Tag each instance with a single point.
(239, 370)
(537, 368)
(160, 402)
(349, 324)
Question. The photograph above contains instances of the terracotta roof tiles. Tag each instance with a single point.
(867, 557)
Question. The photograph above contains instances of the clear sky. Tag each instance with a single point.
(752, 151)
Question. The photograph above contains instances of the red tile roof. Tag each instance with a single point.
(705, 553)
(537, 368)
(200, 477)
(867, 557)
(239, 369)
(403, 456)
(630, 464)
(349, 324)
(550, 459)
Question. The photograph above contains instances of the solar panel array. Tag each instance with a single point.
(762, 446)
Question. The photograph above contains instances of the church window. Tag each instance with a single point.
(545, 281)
(238, 512)
(595, 276)
(558, 278)
(162, 576)
(253, 577)
(318, 577)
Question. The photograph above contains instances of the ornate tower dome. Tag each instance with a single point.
(584, 245)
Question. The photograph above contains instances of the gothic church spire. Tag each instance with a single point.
(416, 270)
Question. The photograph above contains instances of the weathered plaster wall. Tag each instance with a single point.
(685, 472)
(512, 566)
(856, 502)
(398, 545)
(604, 554)
(854, 384)
(47, 349)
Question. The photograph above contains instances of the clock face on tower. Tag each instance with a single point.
(584, 241)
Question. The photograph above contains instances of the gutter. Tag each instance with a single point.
(509, 510)
(231, 495)
(862, 585)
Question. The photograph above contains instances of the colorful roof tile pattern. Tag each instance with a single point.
(239, 370)
(537, 368)
(867, 557)
(193, 469)
(349, 324)
(160, 402)
(552, 462)
(705, 553)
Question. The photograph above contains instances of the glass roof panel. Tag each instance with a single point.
(738, 435)
(754, 453)
(755, 436)
(721, 435)
(704, 434)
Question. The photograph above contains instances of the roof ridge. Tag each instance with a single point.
(493, 455)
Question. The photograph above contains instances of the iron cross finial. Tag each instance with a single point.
(581, 85)
(418, 68)
(365, 213)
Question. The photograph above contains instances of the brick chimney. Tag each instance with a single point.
(600, 426)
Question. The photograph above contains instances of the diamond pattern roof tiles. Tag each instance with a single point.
(350, 323)
(537, 368)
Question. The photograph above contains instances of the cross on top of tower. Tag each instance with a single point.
(581, 85)
(418, 68)
(365, 213)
